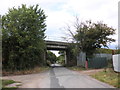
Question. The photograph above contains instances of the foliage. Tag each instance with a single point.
(7, 82)
(51, 57)
(62, 53)
(61, 59)
(22, 38)
(91, 35)
(24, 72)
(117, 51)
(73, 53)
(104, 50)
(108, 76)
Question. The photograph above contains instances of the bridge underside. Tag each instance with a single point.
(53, 45)
(56, 48)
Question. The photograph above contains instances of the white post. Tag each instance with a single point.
(0, 51)
(119, 25)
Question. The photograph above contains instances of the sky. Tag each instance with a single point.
(62, 12)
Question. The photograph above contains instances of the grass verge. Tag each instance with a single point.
(24, 72)
(108, 76)
(7, 82)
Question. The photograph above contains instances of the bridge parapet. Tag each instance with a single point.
(57, 43)
(53, 45)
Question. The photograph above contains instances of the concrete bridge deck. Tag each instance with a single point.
(55, 45)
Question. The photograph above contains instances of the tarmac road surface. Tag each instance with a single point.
(58, 77)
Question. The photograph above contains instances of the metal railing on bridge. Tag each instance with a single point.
(54, 38)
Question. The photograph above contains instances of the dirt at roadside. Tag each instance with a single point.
(90, 72)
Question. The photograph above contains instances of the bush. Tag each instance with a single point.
(23, 38)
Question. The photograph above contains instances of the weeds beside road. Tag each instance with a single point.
(108, 76)
(24, 72)
(8, 82)
(105, 75)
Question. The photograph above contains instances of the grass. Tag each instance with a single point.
(7, 82)
(108, 76)
(23, 72)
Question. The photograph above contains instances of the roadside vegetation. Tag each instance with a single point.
(117, 51)
(108, 76)
(104, 50)
(23, 49)
(90, 36)
(23, 72)
(23, 34)
(8, 82)
(61, 58)
(107, 51)
(51, 58)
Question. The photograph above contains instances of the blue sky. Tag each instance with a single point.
(62, 12)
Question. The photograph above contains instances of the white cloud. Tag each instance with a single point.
(60, 12)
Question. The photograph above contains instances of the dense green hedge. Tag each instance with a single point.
(23, 38)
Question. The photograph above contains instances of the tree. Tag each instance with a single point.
(61, 59)
(91, 36)
(62, 53)
(23, 37)
(51, 57)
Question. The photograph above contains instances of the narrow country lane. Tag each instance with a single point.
(58, 77)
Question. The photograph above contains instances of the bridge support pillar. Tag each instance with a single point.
(65, 58)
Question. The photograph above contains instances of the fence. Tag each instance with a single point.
(108, 56)
(97, 61)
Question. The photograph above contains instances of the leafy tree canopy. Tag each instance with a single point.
(51, 57)
(23, 31)
(91, 35)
